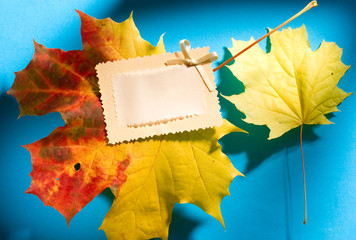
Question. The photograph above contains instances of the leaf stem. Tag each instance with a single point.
(305, 189)
(309, 6)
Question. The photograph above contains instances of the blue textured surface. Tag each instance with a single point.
(268, 203)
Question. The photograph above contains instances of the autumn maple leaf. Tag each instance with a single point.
(291, 85)
(74, 163)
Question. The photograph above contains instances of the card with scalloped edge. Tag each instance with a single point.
(160, 94)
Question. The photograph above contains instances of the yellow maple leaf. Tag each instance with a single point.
(291, 85)
(186, 167)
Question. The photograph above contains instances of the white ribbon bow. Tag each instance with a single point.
(188, 61)
(185, 47)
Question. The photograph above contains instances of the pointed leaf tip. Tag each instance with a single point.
(81, 13)
(35, 43)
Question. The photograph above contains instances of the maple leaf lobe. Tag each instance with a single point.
(109, 40)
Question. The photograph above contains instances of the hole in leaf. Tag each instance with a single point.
(57, 179)
(77, 167)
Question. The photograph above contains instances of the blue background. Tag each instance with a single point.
(268, 203)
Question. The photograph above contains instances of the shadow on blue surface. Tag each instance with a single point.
(255, 144)
(181, 226)
(137, 5)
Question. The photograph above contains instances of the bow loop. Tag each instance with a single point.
(185, 48)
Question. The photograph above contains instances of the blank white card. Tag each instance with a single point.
(143, 97)
(157, 95)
